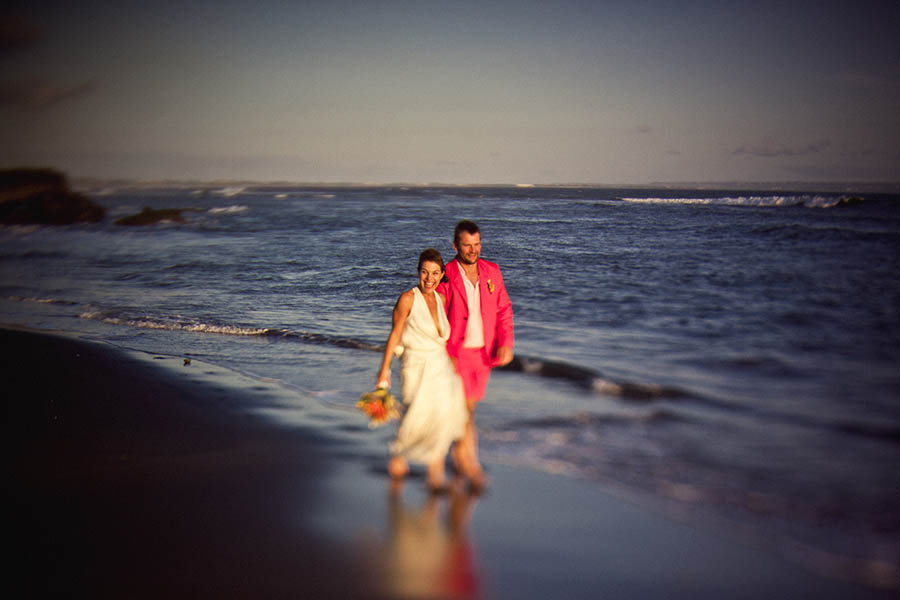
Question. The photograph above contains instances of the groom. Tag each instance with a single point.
(481, 331)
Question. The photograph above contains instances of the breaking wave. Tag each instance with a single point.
(195, 326)
(808, 201)
(236, 208)
(41, 300)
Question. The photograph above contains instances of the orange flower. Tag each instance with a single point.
(380, 406)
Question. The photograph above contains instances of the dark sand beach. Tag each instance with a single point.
(127, 479)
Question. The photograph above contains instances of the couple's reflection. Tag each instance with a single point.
(429, 554)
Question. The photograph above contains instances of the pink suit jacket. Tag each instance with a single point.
(496, 309)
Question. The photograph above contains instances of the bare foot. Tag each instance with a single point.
(438, 489)
(478, 481)
(397, 467)
(436, 479)
(467, 466)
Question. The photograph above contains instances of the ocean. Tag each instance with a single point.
(726, 357)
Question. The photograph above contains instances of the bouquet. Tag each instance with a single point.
(380, 406)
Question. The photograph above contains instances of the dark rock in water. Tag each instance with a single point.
(43, 197)
(849, 200)
(150, 216)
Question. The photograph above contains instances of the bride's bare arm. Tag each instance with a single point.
(401, 312)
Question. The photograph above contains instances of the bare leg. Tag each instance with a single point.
(457, 453)
(465, 452)
(475, 473)
(435, 477)
(461, 451)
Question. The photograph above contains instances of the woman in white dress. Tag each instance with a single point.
(435, 414)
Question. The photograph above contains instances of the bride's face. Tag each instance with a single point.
(429, 276)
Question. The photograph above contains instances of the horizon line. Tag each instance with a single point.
(773, 185)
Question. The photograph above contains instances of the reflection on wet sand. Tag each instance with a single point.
(428, 552)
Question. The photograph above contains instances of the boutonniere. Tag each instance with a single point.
(490, 285)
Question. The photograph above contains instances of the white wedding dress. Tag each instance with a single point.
(435, 414)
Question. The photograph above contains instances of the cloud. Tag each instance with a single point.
(33, 94)
(769, 148)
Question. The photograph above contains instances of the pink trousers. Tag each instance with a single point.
(474, 371)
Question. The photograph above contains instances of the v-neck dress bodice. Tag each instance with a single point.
(420, 333)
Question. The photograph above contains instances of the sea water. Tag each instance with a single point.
(729, 357)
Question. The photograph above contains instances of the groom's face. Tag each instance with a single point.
(468, 247)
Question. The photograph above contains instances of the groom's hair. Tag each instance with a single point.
(465, 225)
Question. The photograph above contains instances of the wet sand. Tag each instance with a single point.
(127, 479)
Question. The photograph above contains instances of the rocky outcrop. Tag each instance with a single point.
(849, 201)
(151, 216)
(42, 196)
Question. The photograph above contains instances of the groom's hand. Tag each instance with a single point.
(504, 356)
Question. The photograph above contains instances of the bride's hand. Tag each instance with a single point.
(383, 382)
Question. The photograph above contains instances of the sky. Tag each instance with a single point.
(454, 92)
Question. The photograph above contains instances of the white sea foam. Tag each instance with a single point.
(172, 325)
(228, 192)
(38, 300)
(604, 386)
(808, 201)
(19, 230)
(236, 208)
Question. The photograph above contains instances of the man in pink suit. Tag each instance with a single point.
(481, 331)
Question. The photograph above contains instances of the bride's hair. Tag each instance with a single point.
(431, 255)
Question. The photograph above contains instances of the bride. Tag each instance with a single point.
(435, 413)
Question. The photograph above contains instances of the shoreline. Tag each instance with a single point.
(132, 479)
